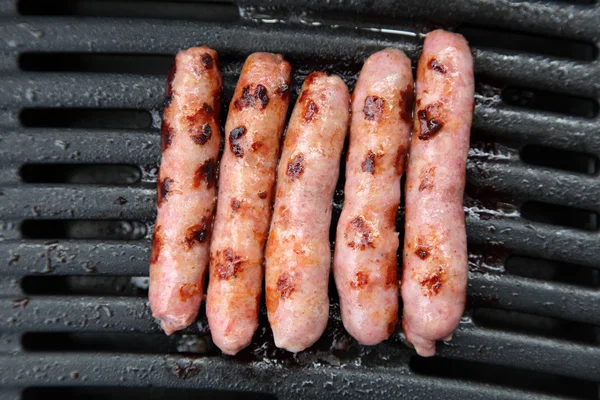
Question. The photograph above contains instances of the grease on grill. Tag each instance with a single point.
(295, 167)
(362, 280)
(234, 140)
(206, 173)
(228, 264)
(429, 121)
(196, 233)
(359, 234)
(252, 98)
(202, 135)
(373, 108)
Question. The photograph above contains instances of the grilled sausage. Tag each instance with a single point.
(298, 255)
(365, 264)
(186, 188)
(246, 184)
(435, 270)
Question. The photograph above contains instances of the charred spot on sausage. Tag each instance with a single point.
(310, 111)
(295, 167)
(234, 140)
(283, 90)
(235, 204)
(166, 135)
(362, 280)
(228, 264)
(262, 195)
(202, 135)
(206, 173)
(422, 253)
(368, 164)
(164, 188)
(252, 97)
(427, 179)
(207, 60)
(436, 66)
(359, 234)
(188, 291)
(285, 285)
(373, 108)
(433, 283)
(429, 121)
(197, 233)
(158, 242)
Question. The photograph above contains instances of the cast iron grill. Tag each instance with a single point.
(81, 92)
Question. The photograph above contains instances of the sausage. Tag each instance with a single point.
(298, 254)
(246, 184)
(365, 264)
(434, 276)
(186, 188)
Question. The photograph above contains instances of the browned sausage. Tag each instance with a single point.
(365, 265)
(298, 251)
(186, 188)
(246, 184)
(435, 247)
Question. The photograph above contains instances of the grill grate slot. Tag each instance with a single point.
(122, 393)
(560, 159)
(544, 101)
(81, 229)
(558, 215)
(81, 174)
(85, 118)
(190, 10)
(81, 285)
(547, 270)
(505, 377)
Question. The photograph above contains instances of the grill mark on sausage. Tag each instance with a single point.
(391, 273)
(170, 77)
(310, 79)
(283, 90)
(285, 285)
(201, 116)
(197, 233)
(235, 204)
(252, 97)
(362, 280)
(206, 173)
(433, 283)
(359, 234)
(202, 135)
(295, 167)
(228, 265)
(436, 66)
(188, 291)
(158, 242)
(234, 140)
(427, 179)
(262, 195)
(430, 121)
(406, 103)
(165, 188)
(368, 164)
(310, 111)
(373, 108)
(166, 133)
(256, 146)
(207, 61)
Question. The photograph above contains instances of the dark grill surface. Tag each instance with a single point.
(81, 92)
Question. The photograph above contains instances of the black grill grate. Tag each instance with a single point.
(81, 91)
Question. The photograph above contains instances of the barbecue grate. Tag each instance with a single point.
(81, 91)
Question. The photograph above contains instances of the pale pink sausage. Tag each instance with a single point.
(365, 264)
(298, 255)
(246, 186)
(186, 188)
(435, 271)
